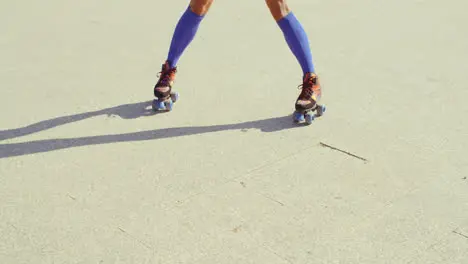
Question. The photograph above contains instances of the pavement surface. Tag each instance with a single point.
(88, 174)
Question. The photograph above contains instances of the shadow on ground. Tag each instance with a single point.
(127, 111)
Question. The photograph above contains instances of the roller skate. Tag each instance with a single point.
(165, 97)
(307, 102)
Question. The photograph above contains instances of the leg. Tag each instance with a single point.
(187, 28)
(294, 33)
(298, 42)
(200, 7)
(184, 33)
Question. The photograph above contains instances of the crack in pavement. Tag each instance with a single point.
(460, 234)
(343, 151)
(271, 199)
(136, 239)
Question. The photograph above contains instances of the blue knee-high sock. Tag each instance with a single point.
(298, 41)
(184, 33)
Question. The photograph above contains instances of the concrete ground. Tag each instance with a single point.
(89, 175)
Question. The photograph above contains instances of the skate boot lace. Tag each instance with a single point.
(165, 76)
(307, 86)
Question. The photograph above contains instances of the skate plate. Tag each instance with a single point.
(165, 105)
(308, 116)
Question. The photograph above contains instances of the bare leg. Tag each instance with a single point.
(278, 8)
(200, 7)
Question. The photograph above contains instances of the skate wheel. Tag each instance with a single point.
(158, 105)
(309, 118)
(298, 117)
(174, 97)
(320, 110)
(168, 105)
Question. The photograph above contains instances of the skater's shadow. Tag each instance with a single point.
(127, 111)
